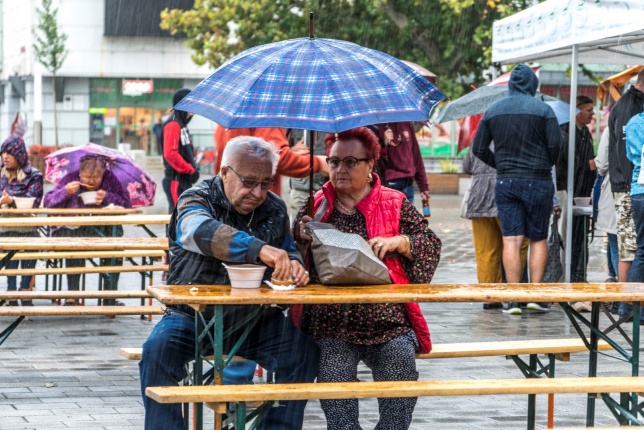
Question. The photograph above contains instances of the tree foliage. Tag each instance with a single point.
(50, 47)
(50, 42)
(452, 38)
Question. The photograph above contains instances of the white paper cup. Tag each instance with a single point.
(89, 197)
(246, 275)
(24, 202)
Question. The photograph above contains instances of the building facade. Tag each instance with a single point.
(116, 82)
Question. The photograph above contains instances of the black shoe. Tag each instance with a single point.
(614, 308)
(493, 305)
(26, 303)
(13, 302)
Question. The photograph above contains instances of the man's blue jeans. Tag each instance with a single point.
(612, 255)
(274, 343)
(636, 274)
(406, 185)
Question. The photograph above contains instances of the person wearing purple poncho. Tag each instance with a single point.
(91, 176)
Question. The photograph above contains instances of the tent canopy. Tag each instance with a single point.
(606, 32)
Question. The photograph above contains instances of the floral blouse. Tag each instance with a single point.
(372, 324)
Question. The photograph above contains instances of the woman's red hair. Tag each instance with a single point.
(362, 134)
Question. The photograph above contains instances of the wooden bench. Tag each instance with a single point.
(560, 347)
(217, 396)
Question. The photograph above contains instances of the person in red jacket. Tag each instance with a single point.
(178, 153)
(291, 164)
(385, 336)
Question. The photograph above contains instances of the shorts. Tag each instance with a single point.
(626, 236)
(524, 206)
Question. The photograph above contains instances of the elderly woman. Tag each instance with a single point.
(92, 175)
(18, 178)
(384, 336)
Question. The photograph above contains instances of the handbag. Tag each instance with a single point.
(343, 258)
(554, 268)
(466, 197)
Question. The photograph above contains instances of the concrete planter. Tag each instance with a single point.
(443, 183)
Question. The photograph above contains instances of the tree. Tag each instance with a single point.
(452, 38)
(50, 46)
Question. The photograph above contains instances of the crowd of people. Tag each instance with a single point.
(364, 185)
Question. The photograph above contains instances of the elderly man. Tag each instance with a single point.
(231, 218)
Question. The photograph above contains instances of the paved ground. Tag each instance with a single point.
(67, 372)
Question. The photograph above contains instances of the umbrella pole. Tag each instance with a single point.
(310, 142)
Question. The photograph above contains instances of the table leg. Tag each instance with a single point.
(197, 373)
(532, 399)
(636, 352)
(592, 363)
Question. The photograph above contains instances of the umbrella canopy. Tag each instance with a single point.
(312, 84)
(427, 74)
(477, 102)
(134, 178)
(561, 109)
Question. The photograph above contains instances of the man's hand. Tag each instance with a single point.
(593, 167)
(425, 195)
(300, 275)
(300, 148)
(277, 258)
(556, 211)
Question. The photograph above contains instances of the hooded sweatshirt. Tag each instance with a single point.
(525, 131)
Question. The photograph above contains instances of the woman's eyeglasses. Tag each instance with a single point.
(251, 184)
(349, 162)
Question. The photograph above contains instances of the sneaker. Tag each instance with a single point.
(541, 307)
(512, 308)
(611, 279)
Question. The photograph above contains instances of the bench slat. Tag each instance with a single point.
(83, 270)
(514, 347)
(29, 311)
(55, 255)
(51, 295)
(359, 390)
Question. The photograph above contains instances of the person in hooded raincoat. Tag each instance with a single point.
(18, 178)
(527, 143)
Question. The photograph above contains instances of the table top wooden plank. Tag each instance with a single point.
(67, 211)
(83, 243)
(30, 311)
(404, 293)
(85, 220)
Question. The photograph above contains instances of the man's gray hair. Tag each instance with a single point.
(243, 146)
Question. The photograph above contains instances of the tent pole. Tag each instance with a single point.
(571, 158)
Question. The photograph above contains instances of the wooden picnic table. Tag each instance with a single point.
(199, 296)
(68, 211)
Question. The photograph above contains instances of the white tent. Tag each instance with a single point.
(572, 31)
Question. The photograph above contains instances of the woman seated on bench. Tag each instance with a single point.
(18, 178)
(92, 175)
(384, 336)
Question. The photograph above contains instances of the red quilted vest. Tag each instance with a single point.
(381, 209)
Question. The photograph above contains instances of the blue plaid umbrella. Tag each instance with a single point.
(313, 84)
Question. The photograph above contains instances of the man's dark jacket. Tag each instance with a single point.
(269, 225)
(583, 178)
(619, 166)
(526, 135)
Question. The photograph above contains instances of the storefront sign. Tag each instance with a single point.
(136, 88)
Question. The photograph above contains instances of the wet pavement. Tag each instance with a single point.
(67, 372)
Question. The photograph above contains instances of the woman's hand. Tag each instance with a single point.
(299, 233)
(6, 199)
(277, 258)
(383, 245)
(300, 275)
(72, 187)
(100, 196)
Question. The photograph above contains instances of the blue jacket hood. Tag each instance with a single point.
(523, 80)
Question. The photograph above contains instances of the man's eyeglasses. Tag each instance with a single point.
(349, 162)
(251, 184)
